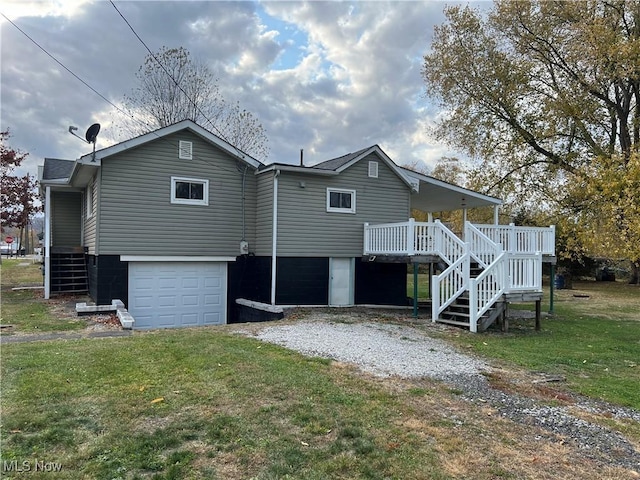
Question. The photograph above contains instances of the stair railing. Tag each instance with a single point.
(450, 284)
(447, 244)
(481, 248)
(487, 288)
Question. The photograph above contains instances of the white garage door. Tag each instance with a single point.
(177, 294)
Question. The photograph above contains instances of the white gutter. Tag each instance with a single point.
(274, 236)
(47, 243)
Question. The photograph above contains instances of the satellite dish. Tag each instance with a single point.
(92, 133)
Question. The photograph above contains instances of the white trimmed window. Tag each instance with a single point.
(185, 150)
(189, 191)
(341, 201)
(373, 169)
(89, 200)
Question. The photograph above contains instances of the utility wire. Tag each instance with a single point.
(177, 84)
(62, 64)
(140, 121)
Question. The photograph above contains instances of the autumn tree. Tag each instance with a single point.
(546, 97)
(17, 193)
(172, 86)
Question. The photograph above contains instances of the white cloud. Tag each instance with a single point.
(329, 77)
(39, 8)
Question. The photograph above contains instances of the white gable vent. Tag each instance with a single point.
(373, 169)
(185, 150)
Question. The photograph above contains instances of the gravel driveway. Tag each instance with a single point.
(407, 351)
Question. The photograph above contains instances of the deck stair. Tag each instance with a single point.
(68, 271)
(458, 314)
(492, 263)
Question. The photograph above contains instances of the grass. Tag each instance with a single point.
(593, 339)
(20, 272)
(207, 403)
(26, 310)
(200, 404)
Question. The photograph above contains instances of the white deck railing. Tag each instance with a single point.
(482, 248)
(510, 256)
(449, 285)
(433, 238)
(412, 238)
(525, 273)
(486, 289)
(517, 239)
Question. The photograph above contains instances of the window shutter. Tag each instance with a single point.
(185, 150)
(373, 169)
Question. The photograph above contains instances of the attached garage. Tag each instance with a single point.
(177, 294)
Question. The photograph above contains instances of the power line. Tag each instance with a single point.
(62, 64)
(75, 75)
(140, 121)
(177, 84)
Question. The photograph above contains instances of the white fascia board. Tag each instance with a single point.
(174, 258)
(163, 132)
(55, 181)
(452, 187)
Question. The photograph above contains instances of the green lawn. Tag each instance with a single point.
(207, 403)
(26, 310)
(199, 403)
(593, 339)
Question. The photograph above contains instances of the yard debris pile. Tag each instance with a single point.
(103, 321)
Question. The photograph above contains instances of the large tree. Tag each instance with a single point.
(546, 97)
(172, 86)
(17, 193)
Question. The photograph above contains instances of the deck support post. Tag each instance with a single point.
(47, 243)
(553, 279)
(538, 302)
(415, 290)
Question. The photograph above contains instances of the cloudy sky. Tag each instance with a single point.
(329, 77)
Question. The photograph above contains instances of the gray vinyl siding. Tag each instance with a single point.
(90, 218)
(67, 214)
(138, 218)
(264, 215)
(306, 229)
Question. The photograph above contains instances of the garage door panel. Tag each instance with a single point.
(167, 301)
(189, 320)
(165, 321)
(143, 302)
(212, 319)
(174, 294)
(190, 300)
(212, 300)
(212, 282)
(190, 283)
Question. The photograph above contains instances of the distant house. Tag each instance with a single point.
(179, 224)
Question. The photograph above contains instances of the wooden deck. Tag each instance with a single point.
(490, 264)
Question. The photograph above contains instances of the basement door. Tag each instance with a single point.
(341, 277)
(177, 294)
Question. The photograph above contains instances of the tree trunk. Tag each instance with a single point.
(635, 273)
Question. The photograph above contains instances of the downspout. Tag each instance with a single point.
(47, 243)
(244, 177)
(274, 236)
